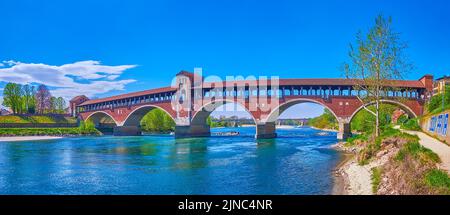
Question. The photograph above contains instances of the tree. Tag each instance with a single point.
(29, 99)
(53, 104)
(12, 97)
(60, 105)
(376, 60)
(43, 99)
(157, 121)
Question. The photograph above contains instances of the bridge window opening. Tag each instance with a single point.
(262, 92)
(345, 93)
(335, 92)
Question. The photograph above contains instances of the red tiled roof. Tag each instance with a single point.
(128, 95)
(76, 98)
(190, 75)
(322, 82)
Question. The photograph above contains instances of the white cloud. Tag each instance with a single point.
(80, 78)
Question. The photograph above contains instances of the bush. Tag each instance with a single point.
(402, 119)
(84, 129)
(417, 151)
(37, 119)
(376, 178)
(411, 124)
(438, 179)
(88, 127)
(324, 121)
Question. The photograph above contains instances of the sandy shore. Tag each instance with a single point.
(27, 138)
(339, 180)
(355, 179)
(350, 178)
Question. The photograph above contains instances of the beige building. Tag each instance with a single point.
(440, 83)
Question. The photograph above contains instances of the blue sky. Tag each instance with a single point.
(137, 45)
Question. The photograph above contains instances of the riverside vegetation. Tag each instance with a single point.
(398, 163)
(85, 128)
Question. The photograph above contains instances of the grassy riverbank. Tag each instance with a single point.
(84, 129)
(394, 163)
(37, 119)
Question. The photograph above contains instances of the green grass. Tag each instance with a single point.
(36, 119)
(417, 151)
(438, 179)
(374, 145)
(376, 178)
(83, 129)
(411, 124)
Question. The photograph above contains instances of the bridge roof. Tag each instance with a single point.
(321, 82)
(128, 95)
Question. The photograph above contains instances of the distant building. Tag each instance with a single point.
(439, 84)
(4, 112)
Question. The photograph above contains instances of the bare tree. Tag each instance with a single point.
(376, 61)
(43, 99)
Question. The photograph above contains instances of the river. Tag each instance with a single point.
(299, 161)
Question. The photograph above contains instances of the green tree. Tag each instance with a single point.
(29, 99)
(60, 105)
(377, 59)
(326, 120)
(365, 121)
(12, 97)
(157, 121)
(53, 105)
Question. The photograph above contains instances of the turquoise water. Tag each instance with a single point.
(299, 161)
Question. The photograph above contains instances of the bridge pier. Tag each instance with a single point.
(344, 130)
(186, 131)
(127, 131)
(265, 130)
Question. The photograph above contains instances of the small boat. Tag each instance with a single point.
(229, 133)
(322, 133)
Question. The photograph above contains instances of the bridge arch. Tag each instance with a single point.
(274, 114)
(98, 117)
(134, 117)
(399, 104)
(201, 115)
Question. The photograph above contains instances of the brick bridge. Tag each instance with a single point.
(264, 99)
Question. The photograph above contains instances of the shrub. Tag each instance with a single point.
(326, 120)
(376, 178)
(437, 178)
(411, 124)
(414, 149)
